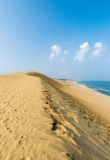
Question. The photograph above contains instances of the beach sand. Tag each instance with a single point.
(46, 119)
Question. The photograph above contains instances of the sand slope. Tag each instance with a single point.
(39, 119)
(96, 101)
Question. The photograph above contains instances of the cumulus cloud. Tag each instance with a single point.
(55, 51)
(80, 54)
(98, 50)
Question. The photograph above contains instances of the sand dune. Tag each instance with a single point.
(44, 119)
(96, 101)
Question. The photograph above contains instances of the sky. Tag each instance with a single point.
(66, 39)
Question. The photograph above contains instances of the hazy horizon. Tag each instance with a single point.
(63, 39)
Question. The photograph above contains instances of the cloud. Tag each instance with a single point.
(51, 56)
(98, 50)
(81, 53)
(55, 51)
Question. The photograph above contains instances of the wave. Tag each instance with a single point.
(98, 86)
(103, 89)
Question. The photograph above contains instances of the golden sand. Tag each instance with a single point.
(44, 119)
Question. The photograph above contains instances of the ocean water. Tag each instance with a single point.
(100, 86)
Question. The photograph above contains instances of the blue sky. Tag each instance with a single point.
(60, 38)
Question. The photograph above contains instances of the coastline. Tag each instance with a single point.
(80, 84)
(99, 86)
(95, 100)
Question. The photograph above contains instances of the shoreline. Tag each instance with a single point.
(79, 82)
(100, 90)
(98, 102)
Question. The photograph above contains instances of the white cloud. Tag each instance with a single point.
(55, 51)
(81, 53)
(98, 44)
(51, 56)
(98, 50)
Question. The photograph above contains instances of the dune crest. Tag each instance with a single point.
(41, 119)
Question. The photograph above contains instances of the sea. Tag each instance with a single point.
(100, 86)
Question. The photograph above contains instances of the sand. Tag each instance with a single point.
(44, 119)
(96, 101)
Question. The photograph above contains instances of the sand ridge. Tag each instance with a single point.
(40, 120)
(63, 107)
